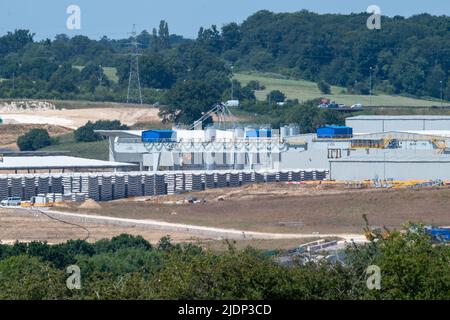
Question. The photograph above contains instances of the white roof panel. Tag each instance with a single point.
(55, 162)
(404, 117)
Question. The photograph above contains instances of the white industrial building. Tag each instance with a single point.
(211, 149)
(373, 124)
(405, 153)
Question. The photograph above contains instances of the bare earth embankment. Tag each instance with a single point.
(288, 208)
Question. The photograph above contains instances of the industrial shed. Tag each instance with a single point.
(373, 124)
(397, 166)
(58, 163)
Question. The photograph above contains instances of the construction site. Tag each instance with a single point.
(249, 183)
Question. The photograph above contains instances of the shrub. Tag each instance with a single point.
(34, 139)
(86, 133)
(276, 96)
(324, 87)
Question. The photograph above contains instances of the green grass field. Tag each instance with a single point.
(110, 72)
(90, 150)
(306, 90)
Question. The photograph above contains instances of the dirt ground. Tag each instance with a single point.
(289, 208)
(10, 132)
(26, 226)
(75, 118)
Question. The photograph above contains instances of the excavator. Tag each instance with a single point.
(375, 233)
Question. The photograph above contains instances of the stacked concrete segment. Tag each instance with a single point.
(101, 186)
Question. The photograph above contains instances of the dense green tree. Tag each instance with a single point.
(275, 96)
(65, 79)
(188, 100)
(324, 87)
(15, 41)
(210, 39)
(310, 117)
(34, 139)
(433, 81)
(163, 35)
(155, 72)
(410, 56)
(255, 85)
(86, 133)
(27, 278)
(231, 36)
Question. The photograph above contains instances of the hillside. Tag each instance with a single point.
(305, 90)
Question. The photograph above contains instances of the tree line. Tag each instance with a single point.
(128, 267)
(407, 56)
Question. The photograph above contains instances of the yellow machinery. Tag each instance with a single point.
(383, 143)
(374, 233)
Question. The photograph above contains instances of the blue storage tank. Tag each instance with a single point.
(332, 131)
(158, 135)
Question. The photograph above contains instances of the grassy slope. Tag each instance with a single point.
(110, 72)
(91, 150)
(305, 90)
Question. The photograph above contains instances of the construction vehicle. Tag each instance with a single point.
(375, 233)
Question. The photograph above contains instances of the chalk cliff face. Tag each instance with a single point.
(26, 105)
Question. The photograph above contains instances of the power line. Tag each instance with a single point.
(134, 83)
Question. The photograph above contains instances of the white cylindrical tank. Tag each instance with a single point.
(294, 130)
(239, 133)
(211, 134)
(232, 103)
(284, 131)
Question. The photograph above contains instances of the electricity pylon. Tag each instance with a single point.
(134, 93)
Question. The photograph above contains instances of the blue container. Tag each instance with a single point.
(333, 131)
(439, 234)
(266, 133)
(252, 134)
(158, 135)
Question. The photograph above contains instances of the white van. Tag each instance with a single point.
(11, 202)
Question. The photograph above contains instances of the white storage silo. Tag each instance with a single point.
(294, 130)
(211, 133)
(284, 131)
(239, 133)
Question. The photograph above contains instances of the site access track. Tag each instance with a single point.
(195, 230)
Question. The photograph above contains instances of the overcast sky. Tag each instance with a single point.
(114, 18)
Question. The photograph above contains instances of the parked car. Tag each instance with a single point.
(357, 106)
(11, 202)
